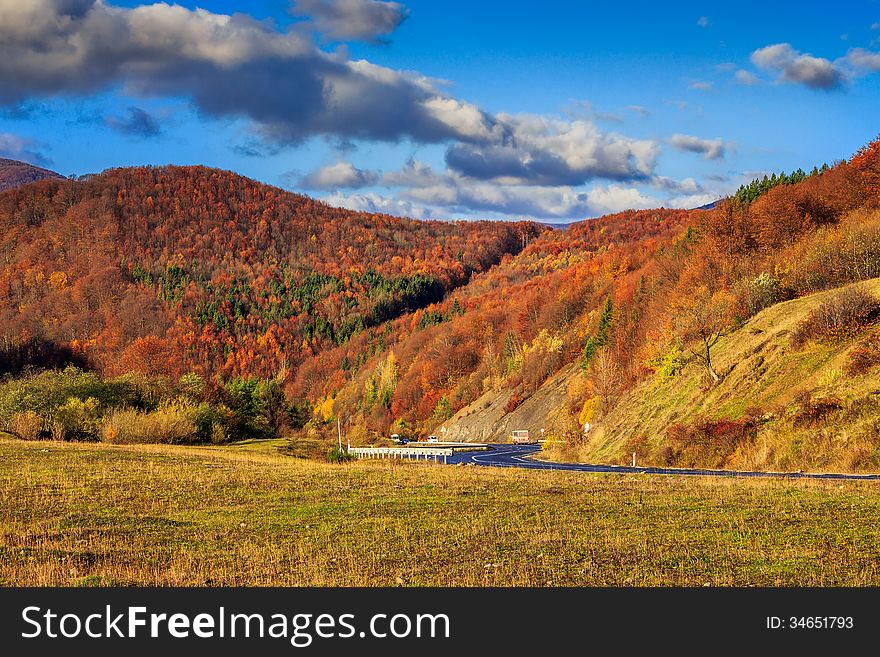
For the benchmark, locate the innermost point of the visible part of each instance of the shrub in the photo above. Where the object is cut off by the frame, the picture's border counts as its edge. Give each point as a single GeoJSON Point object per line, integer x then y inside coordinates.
{"type": "Point", "coordinates": [513, 403]}
{"type": "Point", "coordinates": [811, 411]}
{"type": "Point", "coordinates": [337, 455]}
{"type": "Point", "coordinates": [76, 419]}
{"type": "Point", "coordinates": [709, 442]}
{"type": "Point", "coordinates": [842, 316]}
{"type": "Point", "coordinates": [764, 291]}
{"type": "Point", "coordinates": [27, 425]}
{"type": "Point", "coordinates": [864, 357]}
{"type": "Point", "coordinates": [49, 395]}
{"type": "Point", "coordinates": [170, 423]}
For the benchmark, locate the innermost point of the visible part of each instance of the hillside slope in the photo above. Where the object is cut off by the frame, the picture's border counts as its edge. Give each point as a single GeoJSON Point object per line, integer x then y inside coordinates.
{"type": "Point", "coordinates": [14, 174]}
{"type": "Point", "coordinates": [491, 419]}
{"type": "Point", "coordinates": [167, 270]}
{"type": "Point", "coordinates": [779, 406]}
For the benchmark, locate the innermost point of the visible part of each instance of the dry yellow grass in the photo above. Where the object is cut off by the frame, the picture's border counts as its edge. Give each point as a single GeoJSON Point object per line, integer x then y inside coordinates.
{"type": "Point", "coordinates": [765, 372]}
{"type": "Point", "coordinates": [92, 514]}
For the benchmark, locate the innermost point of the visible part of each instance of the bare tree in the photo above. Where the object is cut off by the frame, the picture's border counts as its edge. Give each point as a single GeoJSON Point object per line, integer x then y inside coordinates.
{"type": "Point", "coordinates": [703, 318]}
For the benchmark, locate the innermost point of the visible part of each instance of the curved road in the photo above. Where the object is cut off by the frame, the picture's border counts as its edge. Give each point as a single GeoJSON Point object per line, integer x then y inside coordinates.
{"type": "Point", "coordinates": [519, 456]}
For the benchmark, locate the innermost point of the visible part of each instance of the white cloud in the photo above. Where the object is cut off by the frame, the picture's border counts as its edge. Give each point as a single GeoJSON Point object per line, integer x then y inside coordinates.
{"type": "Point", "coordinates": [711, 149]}
{"type": "Point", "coordinates": [863, 61]}
{"type": "Point", "coordinates": [793, 66]}
{"type": "Point", "coordinates": [361, 20]}
{"type": "Point", "coordinates": [373, 202]}
{"type": "Point", "coordinates": [539, 150]}
{"type": "Point", "coordinates": [615, 198]}
{"type": "Point", "coordinates": [690, 201]}
{"type": "Point", "coordinates": [464, 119]}
{"type": "Point", "coordinates": [23, 149]}
{"type": "Point", "coordinates": [342, 175]}
{"type": "Point", "coordinates": [704, 21]}
{"type": "Point", "coordinates": [746, 78]}
{"type": "Point", "coordinates": [700, 85]}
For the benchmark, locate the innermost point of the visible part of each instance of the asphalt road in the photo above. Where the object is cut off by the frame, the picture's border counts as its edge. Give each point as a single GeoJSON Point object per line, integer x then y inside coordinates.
{"type": "Point", "coordinates": [518, 456]}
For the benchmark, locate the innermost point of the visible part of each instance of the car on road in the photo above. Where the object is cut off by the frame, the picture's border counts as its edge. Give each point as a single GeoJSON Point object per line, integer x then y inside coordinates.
{"type": "Point", "coordinates": [433, 439]}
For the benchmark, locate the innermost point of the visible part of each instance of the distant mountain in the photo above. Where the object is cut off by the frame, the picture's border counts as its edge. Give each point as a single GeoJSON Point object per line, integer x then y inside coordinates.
{"type": "Point", "coordinates": [14, 174]}
{"type": "Point", "coordinates": [177, 268]}
{"type": "Point", "coordinates": [709, 206]}
{"type": "Point", "coordinates": [559, 225]}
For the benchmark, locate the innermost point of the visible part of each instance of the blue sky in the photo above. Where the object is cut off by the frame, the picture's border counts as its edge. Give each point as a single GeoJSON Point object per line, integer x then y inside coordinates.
{"type": "Point", "coordinates": [557, 110]}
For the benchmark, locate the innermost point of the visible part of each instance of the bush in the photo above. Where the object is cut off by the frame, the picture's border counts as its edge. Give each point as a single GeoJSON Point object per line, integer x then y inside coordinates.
{"type": "Point", "coordinates": [337, 455]}
{"type": "Point", "coordinates": [864, 357]}
{"type": "Point", "coordinates": [27, 425]}
{"type": "Point", "coordinates": [764, 291]}
{"type": "Point", "coordinates": [171, 423]}
{"type": "Point", "coordinates": [76, 419]}
{"type": "Point", "coordinates": [812, 411]}
{"type": "Point", "coordinates": [709, 443]}
{"type": "Point", "coordinates": [847, 312]}
{"type": "Point", "coordinates": [50, 395]}
{"type": "Point", "coordinates": [513, 403]}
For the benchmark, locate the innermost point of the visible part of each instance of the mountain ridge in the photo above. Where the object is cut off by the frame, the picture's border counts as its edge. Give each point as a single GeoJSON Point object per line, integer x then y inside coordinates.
{"type": "Point", "coordinates": [14, 173]}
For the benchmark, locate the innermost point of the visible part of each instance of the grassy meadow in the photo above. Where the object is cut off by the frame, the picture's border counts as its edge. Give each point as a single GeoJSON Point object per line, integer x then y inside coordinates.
{"type": "Point", "coordinates": [95, 514]}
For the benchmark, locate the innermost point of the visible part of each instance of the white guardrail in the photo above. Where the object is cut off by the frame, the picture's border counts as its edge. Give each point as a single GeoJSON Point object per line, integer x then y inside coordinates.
{"type": "Point", "coordinates": [417, 453]}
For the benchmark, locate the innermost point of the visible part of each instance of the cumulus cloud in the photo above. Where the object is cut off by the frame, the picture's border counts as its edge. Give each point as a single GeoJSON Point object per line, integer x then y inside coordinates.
{"type": "Point", "coordinates": [229, 66]}
{"type": "Point", "coordinates": [238, 67]}
{"type": "Point", "coordinates": [417, 190]}
{"type": "Point", "coordinates": [459, 195]}
{"type": "Point", "coordinates": [539, 150]}
{"type": "Point", "coordinates": [800, 68]}
{"type": "Point", "coordinates": [711, 149]}
{"type": "Point", "coordinates": [135, 122]}
{"type": "Point", "coordinates": [23, 149]}
{"type": "Point", "coordinates": [863, 61]}
{"type": "Point", "coordinates": [438, 194]}
{"type": "Point", "coordinates": [746, 78]}
{"type": "Point", "coordinates": [352, 20]}
{"type": "Point", "coordinates": [685, 186]}
{"type": "Point", "coordinates": [703, 21]}
{"type": "Point", "coordinates": [377, 203]}
{"type": "Point", "coordinates": [342, 175]}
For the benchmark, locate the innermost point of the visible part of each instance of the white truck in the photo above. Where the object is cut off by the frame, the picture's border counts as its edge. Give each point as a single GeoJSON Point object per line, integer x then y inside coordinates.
{"type": "Point", "coordinates": [521, 437]}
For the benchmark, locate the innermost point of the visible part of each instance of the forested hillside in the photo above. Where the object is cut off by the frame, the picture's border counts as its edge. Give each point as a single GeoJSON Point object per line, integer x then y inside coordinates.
{"type": "Point", "coordinates": [284, 314]}
{"type": "Point", "coordinates": [168, 270]}
{"type": "Point", "coordinates": [14, 174]}
{"type": "Point", "coordinates": [624, 299]}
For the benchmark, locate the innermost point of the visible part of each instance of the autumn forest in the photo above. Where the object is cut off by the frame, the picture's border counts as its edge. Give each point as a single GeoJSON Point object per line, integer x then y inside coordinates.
{"type": "Point", "coordinates": [207, 307]}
